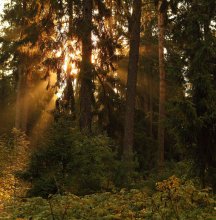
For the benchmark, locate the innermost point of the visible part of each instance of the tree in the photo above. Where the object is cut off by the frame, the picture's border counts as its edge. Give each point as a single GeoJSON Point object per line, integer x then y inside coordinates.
{"type": "Point", "coordinates": [69, 90]}
{"type": "Point", "coordinates": [86, 68]}
{"type": "Point", "coordinates": [22, 90]}
{"type": "Point", "coordinates": [24, 41]}
{"type": "Point", "coordinates": [162, 86]}
{"type": "Point", "coordinates": [194, 115]}
{"type": "Point", "coordinates": [134, 37]}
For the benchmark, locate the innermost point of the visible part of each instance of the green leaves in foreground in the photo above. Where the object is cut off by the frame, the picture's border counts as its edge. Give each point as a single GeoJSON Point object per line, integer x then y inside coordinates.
{"type": "Point", "coordinates": [68, 161]}
{"type": "Point", "coordinates": [173, 200]}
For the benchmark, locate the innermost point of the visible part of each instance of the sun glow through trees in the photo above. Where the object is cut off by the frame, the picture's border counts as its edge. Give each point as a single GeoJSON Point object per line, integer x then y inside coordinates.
{"type": "Point", "coordinates": [71, 57]}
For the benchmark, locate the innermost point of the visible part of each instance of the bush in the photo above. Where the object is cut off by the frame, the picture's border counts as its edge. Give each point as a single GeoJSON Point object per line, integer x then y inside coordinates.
{"type": "Point", "coordinates": [174, 200]}
{"type": "Point", "coordinates": [177, 199]}
{"type": "Point", "coordinates": [68, 161]}
{"type": "Point", "coordinates": [14, 155]}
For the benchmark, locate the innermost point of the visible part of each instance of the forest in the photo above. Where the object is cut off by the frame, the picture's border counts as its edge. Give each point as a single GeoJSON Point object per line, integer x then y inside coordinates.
{"type": "Point", "coordinates": [108, 109]}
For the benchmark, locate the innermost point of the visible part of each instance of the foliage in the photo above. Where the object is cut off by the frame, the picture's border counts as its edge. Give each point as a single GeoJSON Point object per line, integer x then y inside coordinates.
{"type": "Point", "coordinates": [182, 170]}
{"type": "Point", "coordinates": [195, 42]}
{"type": "Point", "coordinates": [7, 98]}
{"type": "Point", "coordinates": [181, 125]}
{"type": "Point", "coordinates": [42, 40]}
{"type": "Point", "coordinates": [68, 160]}
{"type": "Point", "coordinates": [174, 199]}
{"type": "Point", "coordinates": [144, 145]}
{"type": "Point", "coordinates": [14, 155]}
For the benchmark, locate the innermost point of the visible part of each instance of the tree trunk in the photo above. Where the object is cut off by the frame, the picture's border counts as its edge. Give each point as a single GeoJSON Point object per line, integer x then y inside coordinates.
{"type": "Point", "coordinates": [70, 14]}
{"type": "Point", "coordinates": [69, 86]}
{"type": "Point", "coordinates": [25, 104]}
{"type": "Point", "coordinates": [151, 107]}
{"type": "Point", "coordinates": [132, 81]}
{"type": "Point", "coordinates": [21, 117]}
{"type": "Point", "coordinates": [22, 90]}
{"type": "Point", "coordinates": [86, 69]}
{"type": "Point", "coordinates": [162, 87]}
{"type": "Point", "coordinates": [110, 21]}
{"type": "Point", "coordinates": [18, 100]}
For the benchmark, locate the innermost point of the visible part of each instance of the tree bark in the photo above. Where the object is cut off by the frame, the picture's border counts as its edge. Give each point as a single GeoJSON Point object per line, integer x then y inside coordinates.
{"type": "Point", "coordinates": [21, 117]}
{"type": "Point", "coordinates": [18, 100]}
{"type": "Point", "coordinates": [69, 86]}
{"type": "Point", "coordinates": [70, 14]}
{"type": "Point", "coordinates": [150, 107]}
{"type": "Point", "coordinates": [132, 81]}
{"type": "Point", "coordinates": [162, 87]}
{"type": "Point", "coordinates": [86, 69]}
{"type": "Point", "coordinates": [22, 99]}
{"type": "Point", "coordinates": [110, 21]}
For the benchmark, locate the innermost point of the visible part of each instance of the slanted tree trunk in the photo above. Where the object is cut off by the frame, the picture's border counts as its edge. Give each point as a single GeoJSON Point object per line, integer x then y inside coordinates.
{"type": "Point", "coordinates": [132, 81]}
{"type": "Point", "coordinates": [86, 69]}
{"type": "Point", "coordinates": [162, 87]}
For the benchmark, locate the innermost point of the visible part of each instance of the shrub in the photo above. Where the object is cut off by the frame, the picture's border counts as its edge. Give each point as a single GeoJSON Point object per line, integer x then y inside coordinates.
{"type": "Point", "coordinates": [174, 200]}
{"type": "Point", "coordinates": [14, 155]}
{"type": "Point", "coordinates": [68, 161]}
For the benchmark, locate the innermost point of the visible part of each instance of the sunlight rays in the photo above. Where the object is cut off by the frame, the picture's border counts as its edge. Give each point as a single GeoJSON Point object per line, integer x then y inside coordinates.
{"type": "Point", "coordinates": [43, 122]}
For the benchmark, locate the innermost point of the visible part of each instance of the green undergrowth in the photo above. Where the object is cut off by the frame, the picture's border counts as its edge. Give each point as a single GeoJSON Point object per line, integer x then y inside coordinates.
{"type": "Point", "coordinates": [173, 199]}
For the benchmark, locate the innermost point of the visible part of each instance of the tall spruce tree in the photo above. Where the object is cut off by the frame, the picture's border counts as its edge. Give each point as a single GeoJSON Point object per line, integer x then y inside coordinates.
{"type": "Point", "coordinates": [196, 40]}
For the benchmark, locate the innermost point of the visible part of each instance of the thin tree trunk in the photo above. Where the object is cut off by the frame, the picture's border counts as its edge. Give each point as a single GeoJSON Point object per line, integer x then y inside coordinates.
{"type": "Point", "coordinates": [25, 103]}
{"type": "Point", "coordinates": [21, 117]}
{"type": "Point", "coordinates": [145, 83]}
{"type": "Point", "coordinates": [70, 13]}
{"type": "Point", "coordinates": [22, 91]}
{"type": "Point", "coordinates": [18, 100]}
{"type": "Point", "coordinates": [86, 69]}
{"type": "Point", "coordinates": [110, 21]}
{"type": "Point", "coordinates": [69, 86]}
{"type": "Point", "coordinates": [162, 87]}
{"type": "Point", "coordinates": [151, 107]}
{"type": "Point", "coordinates": [132, 81]}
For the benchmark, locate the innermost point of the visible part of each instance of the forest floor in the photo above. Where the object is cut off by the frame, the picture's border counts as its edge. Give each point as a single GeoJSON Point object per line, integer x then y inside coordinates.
{"type": "Point", "coordinates": [172, 199]}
